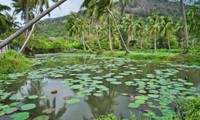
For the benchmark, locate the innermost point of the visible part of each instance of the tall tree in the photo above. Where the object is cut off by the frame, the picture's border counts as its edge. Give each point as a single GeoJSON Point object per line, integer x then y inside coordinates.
{"type": "Point", "coordinates": [4, 23]}
{"type": "Point", "coordinates": [106, 7]}
{"type": "Point", "coordinates": [36, 19]}
{"type": "Point", "coordinates": [185, 49]}
{"type": "Point", "coordinates": [154, 28]}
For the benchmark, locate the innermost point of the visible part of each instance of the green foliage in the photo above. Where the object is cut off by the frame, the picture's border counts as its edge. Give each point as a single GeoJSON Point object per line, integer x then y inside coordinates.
{"type": "Point", "coordinates": [107, 117]}
{"type": "Point", "coordinates": [191, 108]}
{"type": "Point", "coordinates": [13, 62]}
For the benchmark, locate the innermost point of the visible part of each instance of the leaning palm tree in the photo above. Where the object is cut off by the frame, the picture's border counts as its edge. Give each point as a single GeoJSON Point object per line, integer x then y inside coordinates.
{"type": "Point", "coordinates": [28, 25]}
{"type": "Point", "coordinates": [39, 4]}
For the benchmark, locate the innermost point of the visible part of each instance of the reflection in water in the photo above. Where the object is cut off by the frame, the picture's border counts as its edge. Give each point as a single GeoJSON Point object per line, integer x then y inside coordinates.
{"type": "Point", "coordinates": [91, 106]}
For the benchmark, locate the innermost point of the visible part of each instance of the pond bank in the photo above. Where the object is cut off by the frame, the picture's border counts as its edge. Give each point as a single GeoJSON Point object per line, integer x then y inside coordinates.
{"type": "Point", "coordinates": [157, 57]}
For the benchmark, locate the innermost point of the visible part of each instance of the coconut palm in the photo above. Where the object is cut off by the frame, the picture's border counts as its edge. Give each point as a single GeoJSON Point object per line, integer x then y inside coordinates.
{"type": "Point", "coordinates": [103, 7]}
{"type": "Point", "coordinates": [185, 49]}
{"type": "Point", "coordinates": [154, 27]}
{"type": "Point", "coordinates": [27, 26]}
{"type": "Point", "coordinates": [4, 23]}
{"type": "Point", "coordinates": [166, 24]}
{"type": "Point", "coordinates": [39, 4]}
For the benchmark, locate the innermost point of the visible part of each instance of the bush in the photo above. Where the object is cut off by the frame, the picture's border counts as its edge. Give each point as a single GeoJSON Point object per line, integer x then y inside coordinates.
{"type": "Point", "coordinates": [13, 62]}
{"type": "Point", "coordinates": [190, 109]}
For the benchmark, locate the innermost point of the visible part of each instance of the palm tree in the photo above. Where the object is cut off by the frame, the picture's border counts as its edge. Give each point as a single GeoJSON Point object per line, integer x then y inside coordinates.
{"type": "Point", "coordinates": [3, 20]}
{"type": "Point", "coordinates": [154, 27]}
{"type": "Point", "coordinates": [166, 23]}
{"type": "Point", "coordinates": [76, 26]}
{"type": "Point", "coordinates": [27, 26]}
{"type": "Point", "coordinates": [39, 6]}
{"type": "Point", "coordinates": [185, 49]}
{"type": "Point", "coordinates": [106, 7]}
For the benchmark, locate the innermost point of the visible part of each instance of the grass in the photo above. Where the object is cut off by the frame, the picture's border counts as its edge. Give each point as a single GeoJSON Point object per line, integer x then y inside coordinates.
{"type": "Point", "coordinates": [166, 57]}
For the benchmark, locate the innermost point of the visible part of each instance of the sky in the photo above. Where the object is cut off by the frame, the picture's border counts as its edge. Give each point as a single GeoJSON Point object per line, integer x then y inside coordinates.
{"type": "Point", "coordinates": [65, 8]}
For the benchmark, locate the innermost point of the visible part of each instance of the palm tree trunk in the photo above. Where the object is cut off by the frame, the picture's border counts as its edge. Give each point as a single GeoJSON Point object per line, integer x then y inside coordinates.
{"type": "Point", "coordinates": [20, 31]}
{"type": "Point", "coordinates": [31, 32]}
{"type": "Point", "coordinates": [155, 42]}
{"type": "Point", "coordinates": [168, 43]}
{"type": "Point", "coordinates": [98, 40]}
{"type": "Point", "coordinates": [27, 39]}
{"type": "Point", "coordinates": [122, 40]}
{"type": "Point", "coordinates": [110, 36]}
{"type": "Point", "coordinates": [185, 50]}
{"type": "Point", "coordinates": [82, 40]}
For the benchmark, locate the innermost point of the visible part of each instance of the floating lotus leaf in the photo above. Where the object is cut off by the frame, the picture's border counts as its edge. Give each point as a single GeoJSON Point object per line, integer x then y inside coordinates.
{"type": "Point", "coordinates": [134, 105]}
{"type": "Point", "coordinates": [32, 97]}
{"type": "Point", "coordinates": [20, 116]}
{"type": "Point", "coordinates": [116, 83]}
{"type": "Point", "coordinates": [153, 95]}
{"type": "Point", "coordinates": [10, 110]}
{"type": "Point", "coordinates": [14, 104]}
{"type": "Point", "coordinates": [42, 117]}
{"type": "Point", "coordinates": [111, 79]}
{"type": "Point", "coordinates": [188, 83]}
{"type": "Point", "coordinates": [73, 101]}
{"type": "Point", "coordinates": [97, 78]}
{"type": "Point", "coordinates": [142, 91]}
{"type": "Point", "coordinates": [76, 86]}
{"type": "Point", "coordinates": [129, 83]}
{"type": "Point", "coordinates": [141, 97]}
{"type": "Point", "coordinates": [140, 101]}
{"type": "Point", "coordinates": [124, 94]}
{"type": "Point", "coordinates": [98, 94]}
{"type": "Point", "coordinates": [118, 76]}
{"type": "Point", "coordinates": [29, 106]}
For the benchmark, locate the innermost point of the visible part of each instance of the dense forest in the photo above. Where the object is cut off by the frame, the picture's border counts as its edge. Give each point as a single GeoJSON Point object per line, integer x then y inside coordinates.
{"type": "Point", "coordinates": [141, 56]}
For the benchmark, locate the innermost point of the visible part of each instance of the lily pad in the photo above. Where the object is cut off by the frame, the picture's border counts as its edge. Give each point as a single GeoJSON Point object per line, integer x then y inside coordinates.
{"type": "Point", "coordinates": [32, 97]}
{"type": "Point", "coordinates": [133, 105]}
{"type": "Point", "coordinates": [20, 116]}
{"type": "Point", "coordinates": [42, 117]}
{"type": "Point", "coordinates": [73, 101]}
{"type": "Point", "coordinates": [29, 106]}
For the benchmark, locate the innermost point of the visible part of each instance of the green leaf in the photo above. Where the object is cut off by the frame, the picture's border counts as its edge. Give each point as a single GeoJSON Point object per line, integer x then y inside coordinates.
{"type": "Point", "coordinates": [73, 101]}
{"type": "Point", "coordinates": [32, 97]}
{"type": "Point", "coordinates": [29, 106]}
{"type": "Point", "coordinates": [133, 105]}
{"type": "Point", "coordinates": [20, 116]}
{"type": "Point", "coordinates": [42, 117]}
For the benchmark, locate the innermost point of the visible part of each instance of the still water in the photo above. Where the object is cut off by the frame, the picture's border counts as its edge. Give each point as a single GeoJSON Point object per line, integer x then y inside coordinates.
{"type": "Point", "coordinates": [53, 72]}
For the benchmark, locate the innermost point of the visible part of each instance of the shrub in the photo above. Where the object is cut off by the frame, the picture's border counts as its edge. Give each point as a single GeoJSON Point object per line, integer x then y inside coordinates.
{"type": "Point", "coordinates": [190, 109]}
{"type": "Point", "coordinates": [13, 62]}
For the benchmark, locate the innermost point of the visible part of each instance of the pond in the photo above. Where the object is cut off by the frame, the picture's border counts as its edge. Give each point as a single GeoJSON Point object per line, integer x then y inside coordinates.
{"type": "Point", "coordinates": [83, 87]}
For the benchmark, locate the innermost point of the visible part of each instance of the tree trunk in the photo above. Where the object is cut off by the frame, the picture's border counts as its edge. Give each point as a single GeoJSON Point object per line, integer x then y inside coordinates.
{"type": "Point", "coordinates": [31, 32]}
{"type": "Point", "coordinates": [155, 42]}
{"type": "Point", "coordinates": [82, 40]}
{"type": "Point", "coordinates": [98, 40]}
{"type": "Point", "coordinates": [185, 49]}
{"type": "Point", "coordinates": [168, 43]}
{"type": "Point", "coordinates": [122, 40]}
{"type": "Point", "coordinates": [27, 39]}
{"type": "Point", "coordinates": [193, 44]}
{"type": "Point", "coordinates": [20, 31]}
{"type": "Point", "coordinates": [110, 36]}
